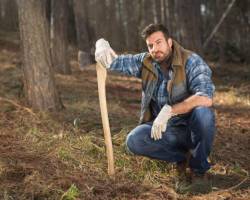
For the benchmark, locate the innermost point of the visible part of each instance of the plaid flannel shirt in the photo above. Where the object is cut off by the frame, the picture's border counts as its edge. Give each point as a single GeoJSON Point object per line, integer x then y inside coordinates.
{"type": "Point", "coordinates": [198, 75]}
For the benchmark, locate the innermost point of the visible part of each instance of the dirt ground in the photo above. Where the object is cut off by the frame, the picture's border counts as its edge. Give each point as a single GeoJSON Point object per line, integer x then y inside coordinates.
{"type": "Point", "coordinates": [62, 155]}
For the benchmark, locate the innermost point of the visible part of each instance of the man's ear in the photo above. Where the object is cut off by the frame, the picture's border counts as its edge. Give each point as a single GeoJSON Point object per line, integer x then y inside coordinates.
{"type": "Point", "coordinates": [170, 42]}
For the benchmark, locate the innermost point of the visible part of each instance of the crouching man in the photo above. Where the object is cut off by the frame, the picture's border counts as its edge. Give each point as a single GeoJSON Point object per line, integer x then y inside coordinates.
{"type": "Point", "coordinates": [177, 123]}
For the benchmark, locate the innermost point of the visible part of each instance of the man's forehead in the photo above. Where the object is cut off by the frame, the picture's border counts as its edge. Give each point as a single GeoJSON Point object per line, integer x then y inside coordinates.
{"type": "Point", "coordinates": [155, 36]}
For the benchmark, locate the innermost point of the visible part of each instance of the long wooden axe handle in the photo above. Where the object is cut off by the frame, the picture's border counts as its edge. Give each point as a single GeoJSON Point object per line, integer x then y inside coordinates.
{"type": "Point", "coordinates": [101, 79]}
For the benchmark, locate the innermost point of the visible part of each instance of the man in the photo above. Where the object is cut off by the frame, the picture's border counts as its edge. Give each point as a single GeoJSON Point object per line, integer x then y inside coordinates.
{"type": "Point", "coordinates": [176, 116]}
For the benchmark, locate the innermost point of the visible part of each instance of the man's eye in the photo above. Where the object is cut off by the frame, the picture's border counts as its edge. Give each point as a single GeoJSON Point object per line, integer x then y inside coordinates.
{"type": "Point", "coordinates": [150, 46]}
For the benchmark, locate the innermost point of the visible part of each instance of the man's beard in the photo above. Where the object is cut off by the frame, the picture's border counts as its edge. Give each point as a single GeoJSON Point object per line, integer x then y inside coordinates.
{"type": "Point", "coordinates": [166, 59]}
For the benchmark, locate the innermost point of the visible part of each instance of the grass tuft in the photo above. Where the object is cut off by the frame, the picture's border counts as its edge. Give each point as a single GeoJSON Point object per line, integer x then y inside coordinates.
{"type": "Point", "coordinates": [71, 194]}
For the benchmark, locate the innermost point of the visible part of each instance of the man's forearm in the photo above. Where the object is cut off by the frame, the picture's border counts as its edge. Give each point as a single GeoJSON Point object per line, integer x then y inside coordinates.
{"type": "Point", "coordinates": [128, 64]}
{"type": "Point", "coordinates": [188, 104]}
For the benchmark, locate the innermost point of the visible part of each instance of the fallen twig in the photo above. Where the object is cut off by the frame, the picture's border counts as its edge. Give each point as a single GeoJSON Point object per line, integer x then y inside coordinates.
{"type": "Point", "coordinates": [235, 186]}
{"type": "Point", "coordinates": [17, 105]}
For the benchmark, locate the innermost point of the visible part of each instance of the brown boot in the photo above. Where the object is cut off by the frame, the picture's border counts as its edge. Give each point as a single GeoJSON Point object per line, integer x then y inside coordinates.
{"type": "Point", "coordinates": [181, 168]}
{"type": "Point", "coordinates": [200, 184]}
{"type": "Point", "coordinates": [181, 178]}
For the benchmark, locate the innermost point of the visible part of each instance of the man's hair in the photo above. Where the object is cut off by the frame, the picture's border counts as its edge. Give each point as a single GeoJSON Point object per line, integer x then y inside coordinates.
{"type": "Point", "coordinates": [151, 28]}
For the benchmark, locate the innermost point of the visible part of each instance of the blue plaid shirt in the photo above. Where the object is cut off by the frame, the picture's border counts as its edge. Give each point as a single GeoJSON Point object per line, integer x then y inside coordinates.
{"type": "Point", "coordinates": [198, 76]}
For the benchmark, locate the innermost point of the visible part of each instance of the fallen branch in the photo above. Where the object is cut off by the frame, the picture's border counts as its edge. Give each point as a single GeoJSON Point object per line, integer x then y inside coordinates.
{"type": "Point", "coordinates": [235, 186]}
{"type": "Point", "coordinates": [18, 105]}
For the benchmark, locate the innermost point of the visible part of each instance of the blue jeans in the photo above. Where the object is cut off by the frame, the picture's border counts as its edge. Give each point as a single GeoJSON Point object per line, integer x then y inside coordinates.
{"type": "Point", "coordinates": [192, 132]}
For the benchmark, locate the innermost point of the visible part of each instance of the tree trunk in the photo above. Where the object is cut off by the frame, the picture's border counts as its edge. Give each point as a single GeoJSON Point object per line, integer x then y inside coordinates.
{"type": "Point", "coordinates": [222, 35]}
{"type": "Point", "coordinates": [189, 19]}
{"type": "Point", "coordinates": [163, 11]}
{"type": "Point", "coordinates": [141, 25]}
{"type": "Point", "coordinates": [172, 19]}
{"type": "Point", "coordinates": [158, 8]}
{"type": "Point", "coordinates": [120, 29]}
{"type": "Point", "coordinates": [59, 36]}
{"type": "Point", "coordinates": [244, 42]}
{"type": "Point", "coordinates": [8, 15]}
{"type": "Point", "coordinates": [40, 88]}
{"type": "Point", "coordinates": [131, 23]}
{"type": "Point", "coordinates": [114, 31]}
{"type": "Point", "coordinates": [82, 32]}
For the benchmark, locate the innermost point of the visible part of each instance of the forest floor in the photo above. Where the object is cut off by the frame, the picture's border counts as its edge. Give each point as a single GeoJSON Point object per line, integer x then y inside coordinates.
{"type": "Point", "coordinates": [61, 155]}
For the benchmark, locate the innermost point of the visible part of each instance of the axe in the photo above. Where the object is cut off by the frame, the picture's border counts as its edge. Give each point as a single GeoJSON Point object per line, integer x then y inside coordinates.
{"type": "Point", "coordinates": [101, 79]}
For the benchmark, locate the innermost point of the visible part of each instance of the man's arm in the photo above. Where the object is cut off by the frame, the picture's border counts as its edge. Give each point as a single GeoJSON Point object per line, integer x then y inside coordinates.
{"type": "Point", "coordinates": [128, 64]}
{"type": "Point", "coordinates": [199, 84]}
{"type": "Point", "coordinates": [160, 123]}
{"type": "Point", "coordinates": [125, 64]}
{"type": "Point", "coordinates": [191, 102]}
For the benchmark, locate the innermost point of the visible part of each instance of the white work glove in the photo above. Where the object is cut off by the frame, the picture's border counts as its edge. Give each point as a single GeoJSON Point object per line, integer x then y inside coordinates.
{"type": "Point", "coordinates": [104, 54]}
{"type": "Point", "coordinates": [160, 122]}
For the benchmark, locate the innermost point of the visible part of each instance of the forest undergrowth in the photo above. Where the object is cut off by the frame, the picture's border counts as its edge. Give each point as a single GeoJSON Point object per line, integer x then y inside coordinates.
{"type": "Point", "coordinates": [61, 155]}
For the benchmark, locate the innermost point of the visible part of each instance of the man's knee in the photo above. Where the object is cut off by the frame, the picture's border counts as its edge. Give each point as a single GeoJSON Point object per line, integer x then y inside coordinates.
{"type": "Point", "coordinates": [133, 145]}
{"type": "Point", "coordinates": [203, 123]}
{"type": "Point", "coordinates": [203, 116]}
{"type": "Point", "coordinates": [130, 144]}
{"type": "Point", "coordinates": [137, 139]}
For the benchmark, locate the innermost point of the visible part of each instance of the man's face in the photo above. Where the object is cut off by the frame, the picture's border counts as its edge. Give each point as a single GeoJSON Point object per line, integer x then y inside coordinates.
{"type": "Point", "coordinates": [159, 47]}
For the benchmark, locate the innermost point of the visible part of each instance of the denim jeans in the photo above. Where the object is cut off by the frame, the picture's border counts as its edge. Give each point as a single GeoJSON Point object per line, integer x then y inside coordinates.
{"type": "Point", "coordinates": [192, 132]}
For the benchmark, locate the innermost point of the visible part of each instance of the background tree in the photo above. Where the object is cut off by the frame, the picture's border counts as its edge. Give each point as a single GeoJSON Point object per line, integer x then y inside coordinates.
{"type": "Point", "coordinates": [121, 21]}
{"type": "Point", "coordinates": [243, 43]}
{"type": "Point", "coordinates": [116, 31]}
{"type": "Point", "coordinates": [189, 23]}
{"type": "Point", "coordinates": [8, 15]}
{"type": "Point", "coordinates": [82, 32]}
{"type": "Point", "coordinates": [40, 88]}
{"type": "Point", "coordinates": [59, 36]}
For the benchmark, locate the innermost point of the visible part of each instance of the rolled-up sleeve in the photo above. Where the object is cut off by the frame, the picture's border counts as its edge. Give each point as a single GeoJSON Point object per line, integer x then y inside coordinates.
{"type": "Point", "coordinates": [199, 74]}
{"type": "Point", "coordinates": [128, 64]}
